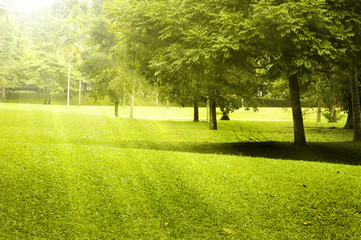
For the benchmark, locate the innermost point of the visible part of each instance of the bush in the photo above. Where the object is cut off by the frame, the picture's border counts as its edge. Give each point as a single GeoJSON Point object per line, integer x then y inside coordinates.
{"type": "Point", "coordinates": [335, 117]}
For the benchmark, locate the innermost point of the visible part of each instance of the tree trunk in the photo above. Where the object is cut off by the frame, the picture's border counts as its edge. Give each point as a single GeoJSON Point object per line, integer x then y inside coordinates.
{"type": "Point", "coordinates": [68, 93]}
{"type": "Point", "coordinates": [46, 97]}
{"type": "Point", "coordinates": [3, 92]}
{"type": "Point", "coordinates": [225, 114]}
{"type": "Point", "coordinates": [50, 98]}
{"type": "Point", "coordinates": [156, 100]}
{"type": "Point", "coordinates": [79, 102]}
{"type": "Point", "coordinates": [132, 103]}
{"type": "Point", "coordinates": [196, 112]}
{"type": "Point", "coordinates": [207, 114]}
{"type": "Point", "coordinates": [212, 114]}
{"type": "Point", "coordinates": [333, 117]}
{"type": "Point", "coordinates": [319, 111]}
{"type": "Point", "coordinates": [124, 97]}
{"type": "Point", "coordinates": [356, 112]}
{"type": "Point", "coordinates": [116, 108]}
{"type": "Point", "coordinates": [349, 121]}
{"type": "Point", "coordinates": [299, 131]}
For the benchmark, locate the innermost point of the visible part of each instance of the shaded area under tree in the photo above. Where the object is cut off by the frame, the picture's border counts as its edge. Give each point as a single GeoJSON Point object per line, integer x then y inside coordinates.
{"type": "Point", "coordinates": [348, 153]}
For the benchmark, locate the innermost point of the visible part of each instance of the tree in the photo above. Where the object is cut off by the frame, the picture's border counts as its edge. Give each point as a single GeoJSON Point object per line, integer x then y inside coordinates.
{"type": "Point", "coordinates": [9, 49]}
{"type": "Point", "coordinates": [38, 66]}
{"type": "Point", "coordinates": [349, 60]}
{"type": "Point", "coordinates": [331, 90]}
{"type": "Point", "coordinates": [183, 44]}
{"type": "Point", "coordinates": [101, 66]}
{"type": "Point", "coordinates": [346, 14]}
{"type": "Point", "coordinates": [43, 72]}
{"type": "Point", "coordinates": [178, 82]}
{"type": "Point", "coordinates": [105, 78]}
{"type": "Point", "coordinates": [72, 43]}
{"type": "Point", "coordinates": [297, 37]}
{"type": "Point", "coordinates": [356, 109]}
{"type": "Point", "coordinates": [71, 47]}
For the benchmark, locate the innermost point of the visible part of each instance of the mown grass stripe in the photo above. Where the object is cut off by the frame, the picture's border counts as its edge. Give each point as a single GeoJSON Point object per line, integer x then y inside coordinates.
{"type": "Point", "coordinates": [67, 175]}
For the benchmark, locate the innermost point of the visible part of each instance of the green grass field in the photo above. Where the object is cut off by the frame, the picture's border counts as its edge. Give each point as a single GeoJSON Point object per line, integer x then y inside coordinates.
{"type": "Point", "coordinates": [79, 173]}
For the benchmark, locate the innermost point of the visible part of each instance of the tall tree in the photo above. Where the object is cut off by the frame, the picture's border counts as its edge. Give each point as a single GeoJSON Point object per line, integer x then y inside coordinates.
{"type": "Point", "coordinates": [74, 15]}
{"type": "Point", "coordinates": [297, 37]}
{"type": "Point", "coordinates": [348, 13]}
{"type": "Point", "coordinates": [9, 49]}
{"type": "Point", "coordinates": [100, 65]}
{"type": "Point", "coordinates": [71, 47]}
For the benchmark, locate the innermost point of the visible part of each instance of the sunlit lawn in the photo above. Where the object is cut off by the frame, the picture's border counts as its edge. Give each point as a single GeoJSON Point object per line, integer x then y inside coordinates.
{"type": "Point", "coordinates": [79, 173]}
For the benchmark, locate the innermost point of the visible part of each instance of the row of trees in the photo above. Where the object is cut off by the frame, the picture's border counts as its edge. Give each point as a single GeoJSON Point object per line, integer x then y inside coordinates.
{"type": "Point", "coordinates": [220, 52]}
{"type": "Point", "coordinates": [215, 50]}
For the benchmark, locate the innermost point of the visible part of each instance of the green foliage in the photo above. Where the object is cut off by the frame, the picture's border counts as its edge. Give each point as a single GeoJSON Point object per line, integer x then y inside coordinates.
{"type": "Point", "coordinates": [9, 47]}
{"type": "Point", "coordinates": [299, 34]}
{"type": "Point", "coordinates": [72, 44]}
{"type": "Point", "coordinates": [100, 66]}
{"type": "Point", "coordinates": [41, 71]}
{"type": "Point", "coordinates": [188, 50]}
{"type": "Point", "coordinates": [334, 116]}
{"type": "Point", "coordinates": [39, 67]}
{"type": "Point", "coordinates": [194, 50]}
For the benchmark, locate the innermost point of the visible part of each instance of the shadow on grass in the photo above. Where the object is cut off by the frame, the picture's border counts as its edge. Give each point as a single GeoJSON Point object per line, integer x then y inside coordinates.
{"type": "Point", "coordinates": [341, 152]}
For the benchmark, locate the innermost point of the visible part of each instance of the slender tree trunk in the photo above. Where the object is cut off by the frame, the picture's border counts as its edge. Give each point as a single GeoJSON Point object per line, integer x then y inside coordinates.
{"type": "Point", "coordinates": [68, 93]}
{"type": "Point", "coordinates": [207, 114]}
{"type": "Point", "coordinates": [132, 103]}
{"type": "Point", "coordinates": [196, 112]}
{"type": "Point", "coordinates": [116, 108]}
{"type": "Point", "coordinates": [213, 114]}
{"type": "Point", "coordinates": [356, 112]}
{"type": "Point", "coordinates": [156, 100]}
{"type": "Point", "coordinates": [124, 96]}
{"type": "Point", "coordinates": [79, 102]}
{"type": "Point", "coordinates": [3, 91]}
{"type": "Point", "coordinates": [299, 131]}
{"type": "Point", "coordinates": [167, 104]}
{"type": "Point", "coordinates": [333, 117]}
{"type": "Point", "coordinates": [349, 121]}
{"type": "Point", "coordinates": [319, 111]}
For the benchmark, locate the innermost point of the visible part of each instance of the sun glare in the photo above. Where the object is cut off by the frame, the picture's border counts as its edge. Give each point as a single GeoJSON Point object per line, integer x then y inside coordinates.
{"type": "Point", "coordinates": [30, 5]}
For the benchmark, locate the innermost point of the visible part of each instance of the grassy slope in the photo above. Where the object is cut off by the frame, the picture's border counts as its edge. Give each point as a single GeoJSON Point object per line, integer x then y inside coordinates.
{"type": "Point", "coordinates": [79, 173]}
